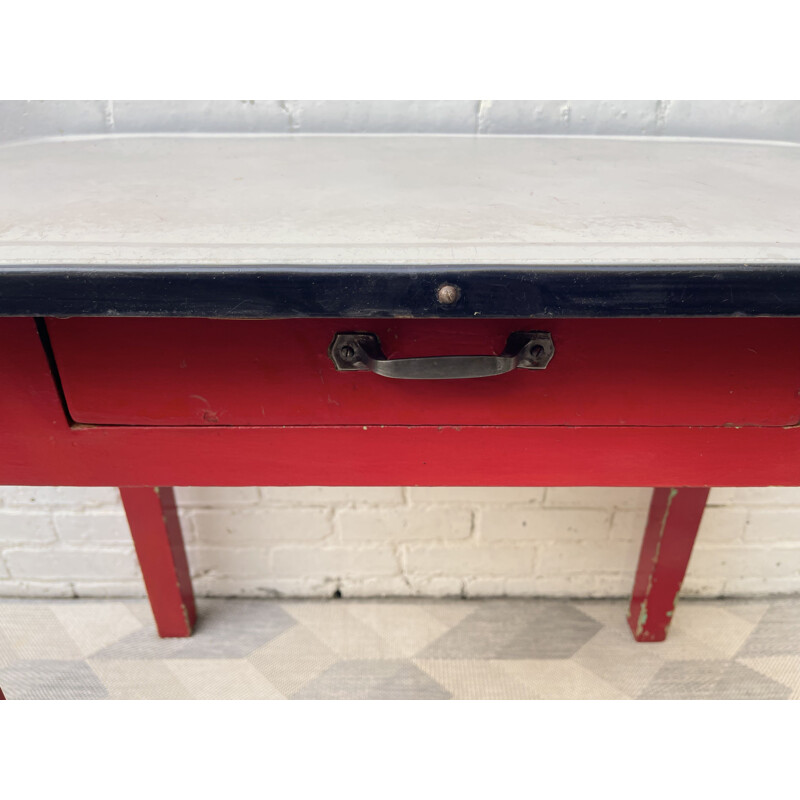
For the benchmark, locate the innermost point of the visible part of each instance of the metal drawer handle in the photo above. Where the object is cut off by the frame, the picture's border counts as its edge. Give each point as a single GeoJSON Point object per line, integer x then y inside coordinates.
{"type": "Point", "coordinates": [362, 351]}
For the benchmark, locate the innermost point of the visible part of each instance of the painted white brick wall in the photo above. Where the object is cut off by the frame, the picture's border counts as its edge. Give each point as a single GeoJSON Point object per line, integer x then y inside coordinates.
{"type": "Point", "coordinates": [315, 541]}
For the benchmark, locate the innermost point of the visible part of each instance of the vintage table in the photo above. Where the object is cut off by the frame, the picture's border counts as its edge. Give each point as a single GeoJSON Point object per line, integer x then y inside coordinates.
{"type": "Point", "coordinates": [316, 310]}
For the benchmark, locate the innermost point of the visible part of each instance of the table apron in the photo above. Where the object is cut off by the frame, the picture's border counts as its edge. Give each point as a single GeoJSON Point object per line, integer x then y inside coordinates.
{"type": "Point", "coordinates": [424, 456]}
{"type": "Point", "coordinates": [39, 446]}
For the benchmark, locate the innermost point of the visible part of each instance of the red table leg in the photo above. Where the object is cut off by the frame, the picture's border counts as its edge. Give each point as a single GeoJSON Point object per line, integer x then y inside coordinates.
{"type": "Point", "coordinates": [2, 696]}
{"type": "Point", "coordinates": [675, 516]}
{"type": "Point", "coordinates": [153, 519]}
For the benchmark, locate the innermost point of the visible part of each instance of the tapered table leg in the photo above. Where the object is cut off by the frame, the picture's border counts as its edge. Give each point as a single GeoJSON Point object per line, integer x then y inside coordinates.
{"type": "Point", "coordinates": [155, 527]}
{"type": "Point", "coordinates": [672, 526]}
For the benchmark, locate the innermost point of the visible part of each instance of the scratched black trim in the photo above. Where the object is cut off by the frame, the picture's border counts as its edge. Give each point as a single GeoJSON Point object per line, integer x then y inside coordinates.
{"type": "Point", "coordinates": [392, 291]}
{"type": "Point", "coordinates": [44, 337]}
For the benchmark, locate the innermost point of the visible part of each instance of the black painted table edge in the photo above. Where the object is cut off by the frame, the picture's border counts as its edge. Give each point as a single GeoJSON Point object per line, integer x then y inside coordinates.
{"type": "Point", "coordinates": [289, 291]}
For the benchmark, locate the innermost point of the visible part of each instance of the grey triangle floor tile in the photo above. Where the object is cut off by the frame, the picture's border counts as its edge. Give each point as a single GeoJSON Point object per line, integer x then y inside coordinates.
{"type": "Point", "coordinates": [739, 682]}
{"type": "Point", "coordinates": [615, 657]}
{"type": "Point", "coordinates": [235, 628]}
{"type": "Point", "coordinates": [225, 629]}
{"type": "Point", "coordinates": [390, 679]}
{"type": "Point", "coordinates": [51, 680]}
{"type": "Point", "coordinates": [777, 632]}
{"type": "Point", "coordinates": [516, 629]}
{"type": "Point", "coordinates": [140, 645]}
{"type": "Point", "coordinates": [712, 680]}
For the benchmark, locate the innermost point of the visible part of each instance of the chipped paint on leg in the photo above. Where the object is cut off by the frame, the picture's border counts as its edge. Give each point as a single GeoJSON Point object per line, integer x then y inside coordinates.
{"type": "Point", "coordinates": [662, 565]}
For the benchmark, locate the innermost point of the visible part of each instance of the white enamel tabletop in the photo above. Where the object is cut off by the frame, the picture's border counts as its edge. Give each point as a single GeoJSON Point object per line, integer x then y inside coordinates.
{"type": "Point", "coordinates": [397, 200]}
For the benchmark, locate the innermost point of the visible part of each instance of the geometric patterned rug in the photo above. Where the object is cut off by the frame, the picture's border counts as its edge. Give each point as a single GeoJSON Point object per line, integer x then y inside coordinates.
{"type": "Point", "coordinates": [399, 649]}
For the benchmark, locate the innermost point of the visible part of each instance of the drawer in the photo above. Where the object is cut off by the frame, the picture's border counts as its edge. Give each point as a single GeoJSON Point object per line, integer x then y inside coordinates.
{"type": "Point", "coordinates": [662, 372]}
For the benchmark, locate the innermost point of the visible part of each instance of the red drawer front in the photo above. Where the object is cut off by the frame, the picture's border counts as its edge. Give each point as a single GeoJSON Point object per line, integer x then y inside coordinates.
{"type": "Point", "coordinates": [278, 372]}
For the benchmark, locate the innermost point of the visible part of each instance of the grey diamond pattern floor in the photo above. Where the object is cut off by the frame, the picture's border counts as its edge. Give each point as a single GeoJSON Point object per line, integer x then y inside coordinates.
{"type": "Point", "coordinates": [399, 649]}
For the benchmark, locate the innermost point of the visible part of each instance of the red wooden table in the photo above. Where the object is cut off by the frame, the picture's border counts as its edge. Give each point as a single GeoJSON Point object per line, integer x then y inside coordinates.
{"type": "Point", "coordinates": [171, 308]}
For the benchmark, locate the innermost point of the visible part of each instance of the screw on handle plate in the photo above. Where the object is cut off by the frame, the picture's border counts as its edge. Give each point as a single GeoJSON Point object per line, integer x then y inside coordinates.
{"type": "Point", "coordinates": [361, 351]}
